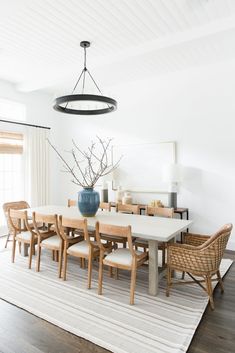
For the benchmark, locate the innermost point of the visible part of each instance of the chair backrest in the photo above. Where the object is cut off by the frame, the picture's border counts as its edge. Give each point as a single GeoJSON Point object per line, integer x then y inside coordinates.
{"type": "Point", "coordinates": [105, 206]}
{"type": "Point", "coordinates": [134, 209]}
{"type": "Point", "coordinates": [42, 218]}
{"type": "Point", "coordinates": [113, 230]}
{"type": "Point", "coordinates": [72, 203]}
{"type": "Point", "coordinates": [80, 224]}
{"type": "Point", "coordinates": [160, 211]}
{"type": "Point", "coordinates": [18, 220]}
{"type": "Point", "coordinates": [215, 246]}
{"type": "Point", "coordinates": [16, 205]}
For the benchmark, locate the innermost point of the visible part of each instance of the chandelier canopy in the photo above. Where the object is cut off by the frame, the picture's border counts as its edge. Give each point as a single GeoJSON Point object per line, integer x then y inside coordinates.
{"type": "Point", "coordinates": [100, 104]}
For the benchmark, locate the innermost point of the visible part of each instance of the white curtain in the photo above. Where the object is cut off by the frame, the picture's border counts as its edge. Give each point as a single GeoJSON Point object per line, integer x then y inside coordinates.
{"type": "Point", "coordinates": [36, 154]}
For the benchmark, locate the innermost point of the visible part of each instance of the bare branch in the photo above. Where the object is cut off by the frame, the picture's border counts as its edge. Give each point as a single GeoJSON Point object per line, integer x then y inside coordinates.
{"type": "Point", "coordinates": [67, 166]}
{"type": "Point", "coordinates": [90, 164]}
{"type": "Point", "coordinates": [79, 168]}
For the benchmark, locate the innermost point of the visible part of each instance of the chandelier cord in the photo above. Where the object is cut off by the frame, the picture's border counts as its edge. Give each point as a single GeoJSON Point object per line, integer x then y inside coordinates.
{"type": "Point", "coordinates": [94, 82]}
{"type": "Point", "coordinates": [75, 85]}
{"type": "Point", "coordinates": [84, 57]}
{"type": "Point", "coordinates": [85, 69]}
{"type": "Point", "coordinates": [83, 82]}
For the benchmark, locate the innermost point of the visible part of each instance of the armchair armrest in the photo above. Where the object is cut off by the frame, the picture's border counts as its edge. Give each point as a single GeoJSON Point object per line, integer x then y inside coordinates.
{"type": "Point", "coordinates": [185, 257]}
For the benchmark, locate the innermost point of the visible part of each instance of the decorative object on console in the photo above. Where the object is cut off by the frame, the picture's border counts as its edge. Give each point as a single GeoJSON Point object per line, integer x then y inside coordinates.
{"type": "Point", "coordinates": [104, 194]}
{"type": "Point", "coordinates": [127, 198]}
{"type": "Point", "coordinates": [79, 103]}
{"type": "Point", "coordinates": [86, 168]}
{"type": "Point", "coordinates": [156, 203]}
{"type": "Point", "coordinates": [104, 191]}
{"type": "Point", "coordinates": [172, 174]}
{"type": "Point", "coordinates": [119, 194]}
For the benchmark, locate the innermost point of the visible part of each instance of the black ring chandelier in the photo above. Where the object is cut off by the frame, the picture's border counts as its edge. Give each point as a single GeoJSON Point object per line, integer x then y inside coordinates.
{"type": "Point", "coordinates": [61, 103]}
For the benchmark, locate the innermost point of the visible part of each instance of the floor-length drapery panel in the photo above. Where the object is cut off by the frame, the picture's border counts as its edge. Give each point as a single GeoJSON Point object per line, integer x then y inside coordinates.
{"type": "Point", "coordinates": [37, 166]}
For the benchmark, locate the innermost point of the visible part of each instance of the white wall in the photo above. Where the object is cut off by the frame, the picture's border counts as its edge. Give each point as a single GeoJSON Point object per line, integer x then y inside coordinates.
{"type": "Point", "coordinates": [38, 111]}
{"type": "Point", "coordinates": [196, 109]}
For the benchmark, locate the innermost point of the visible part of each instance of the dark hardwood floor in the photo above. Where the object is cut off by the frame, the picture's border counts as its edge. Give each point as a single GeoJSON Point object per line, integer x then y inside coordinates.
{"type": "Point", "coordinates": [216, 332]}
{"type": "Point", "coordinates": [22, 332]}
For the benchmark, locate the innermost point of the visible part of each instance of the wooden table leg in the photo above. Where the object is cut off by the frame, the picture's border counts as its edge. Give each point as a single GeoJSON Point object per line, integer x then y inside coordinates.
{"type": "Point", "coordinates": [153, 267]}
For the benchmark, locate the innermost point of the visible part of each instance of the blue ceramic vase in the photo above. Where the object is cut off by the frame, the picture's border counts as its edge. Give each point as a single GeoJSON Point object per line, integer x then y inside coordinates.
{"type": "Point", "coordinates": [88, 202]}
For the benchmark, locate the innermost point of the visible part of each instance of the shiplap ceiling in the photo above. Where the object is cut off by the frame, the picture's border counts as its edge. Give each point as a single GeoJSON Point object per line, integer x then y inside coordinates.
{"type": "Point", "coordinates": [131, 39]}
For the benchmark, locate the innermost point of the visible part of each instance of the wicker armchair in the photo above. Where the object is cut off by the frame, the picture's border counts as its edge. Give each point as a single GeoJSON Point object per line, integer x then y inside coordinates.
{"type": "Point", "coordinates": [199, 256]}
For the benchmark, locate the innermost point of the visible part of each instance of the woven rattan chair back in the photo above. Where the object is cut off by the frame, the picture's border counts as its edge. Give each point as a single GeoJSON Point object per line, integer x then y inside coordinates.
{"type": "Point", "coordinates": [200, 256]}
{"type": "Point", "coordinates": [215, 246]}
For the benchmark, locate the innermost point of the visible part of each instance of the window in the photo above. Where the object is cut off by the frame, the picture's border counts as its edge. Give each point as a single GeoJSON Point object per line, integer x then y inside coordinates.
{"type": "Point", "coordinates": [11, 173]}
{"type": "Point", "coordinates": [11, 143]}
{"type": "Point", "coordinates": [11, 110]}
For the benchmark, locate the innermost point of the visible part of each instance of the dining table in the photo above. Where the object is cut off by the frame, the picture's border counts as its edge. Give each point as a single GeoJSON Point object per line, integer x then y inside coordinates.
{"type": "Point", "coordinates": [153, 229]}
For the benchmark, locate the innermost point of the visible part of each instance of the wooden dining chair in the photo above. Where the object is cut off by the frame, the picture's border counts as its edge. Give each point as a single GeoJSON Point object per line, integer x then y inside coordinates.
{"type": "Point", "coordinates": [198, 256]}
{"type": "Point", "coordinates": [128, 208]}
{"type": "Point", "coordinates": [22, 232]}
{"type": "Point", "coordinates": [16, 205]}
{"type": "Point", "coordinates": [126, 259]}
{"type": "Point", "coordinates": [105, 206]}
{"type": "Point", "coordinates": [48, 238]}
{"type": "Point", "coordinates": [158, 212]}
{"type": "Point", "coordinates": [72, 203]}
{"type": "Point", "coordinates": [83, 249]}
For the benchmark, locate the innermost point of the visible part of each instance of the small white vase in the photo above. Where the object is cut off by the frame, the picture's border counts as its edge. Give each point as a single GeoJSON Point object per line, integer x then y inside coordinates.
{"type": "Point", "coordinates": [127, 198]}
{"type": "Point", "coordinates": [119, 194]}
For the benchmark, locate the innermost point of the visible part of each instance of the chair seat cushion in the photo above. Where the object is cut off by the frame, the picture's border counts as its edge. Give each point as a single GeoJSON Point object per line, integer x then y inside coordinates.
{"type": "Point", "coordinates": [121, 257]}
{"type": "Point", "coordinates": [52, 242]}
{"type": "Point", "coordinates": [81, 247]}
{"type": "Point", "coordinates": [24, 236]}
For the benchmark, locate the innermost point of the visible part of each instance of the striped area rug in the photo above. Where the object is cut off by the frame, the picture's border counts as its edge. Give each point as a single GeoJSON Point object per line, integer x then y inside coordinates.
{"type": "Point", "coordinates": [153, 325]}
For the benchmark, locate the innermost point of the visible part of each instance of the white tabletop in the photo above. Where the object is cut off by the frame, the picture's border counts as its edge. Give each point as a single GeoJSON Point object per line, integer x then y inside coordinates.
{"type": "Point", "coordinates": [150, 228]}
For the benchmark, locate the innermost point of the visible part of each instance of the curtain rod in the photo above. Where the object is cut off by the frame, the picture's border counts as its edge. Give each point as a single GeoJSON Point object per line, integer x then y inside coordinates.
{"type": "Point", "coordinates": [25, 124]}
